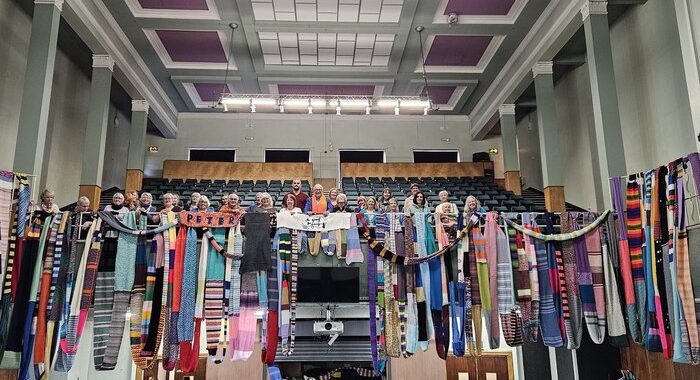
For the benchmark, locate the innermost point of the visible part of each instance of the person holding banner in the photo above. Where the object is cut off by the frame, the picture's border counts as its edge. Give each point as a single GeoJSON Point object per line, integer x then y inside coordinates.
{"type": "Point", "coordinates": [342, 204]}
{"type": "Point", "coordinates": [290, 205]}
{"type": "Point", "coordinates": [232, 205]}
{"type": "Point", "coordinates": [203, 205]}
{"type": "Point", "coordinates": [318, 204]}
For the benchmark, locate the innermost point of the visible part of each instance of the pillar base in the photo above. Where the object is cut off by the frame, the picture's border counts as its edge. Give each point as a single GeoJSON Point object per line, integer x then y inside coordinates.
{"type": "Point", "coordinates": [512, 182]}
{"type": "Point", "coordinates": [554, 199]}
{"type": "Point", "coordinates": [134, 180]}
{"type": "Point", "coordinates": [92, 192]}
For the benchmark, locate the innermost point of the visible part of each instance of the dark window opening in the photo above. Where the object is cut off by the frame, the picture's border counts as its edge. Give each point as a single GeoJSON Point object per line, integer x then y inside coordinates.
{"type": "Point", "coordinates": [272, 155]}
{"type": "Point", "coordinates": [437, 156]}
{"type": "Point", "coordinates": [362, 156]}
{"type": "Point", "coordinates": [219, 155]}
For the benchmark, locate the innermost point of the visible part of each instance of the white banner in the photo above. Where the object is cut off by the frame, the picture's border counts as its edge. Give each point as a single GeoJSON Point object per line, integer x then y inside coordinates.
{"type": "Point", "coordinates": [339, 221]}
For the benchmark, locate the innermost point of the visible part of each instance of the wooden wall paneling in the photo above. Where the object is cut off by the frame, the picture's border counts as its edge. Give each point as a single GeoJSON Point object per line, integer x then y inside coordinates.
{"type": "Point", "coordinates": [457, 365]}
{"type": "Point", "coordinates": [409, 169]}
{"type": "Point", "coordinates": [422, 365]}
{"type": "Point", "coordinates": [237, 170]}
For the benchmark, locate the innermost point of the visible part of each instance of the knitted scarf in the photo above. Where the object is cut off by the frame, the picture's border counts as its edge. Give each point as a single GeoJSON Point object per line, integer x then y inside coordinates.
{"type": "Point", "coordinates": [523, 294]}
{"type": "Point", "coordinates": [573, 325]}
{"type": "Point", "coordinates": [214, 293]}
{"type": "Point", "coordinates": [509, 313]}
{"type": "Point", "coordinates": [170, 340]}
{"type": "Point", "coordinates": [140, 305]}
{"type": "Point", "coordinates": [635, 237]}
{"type": "Point", "coordinates": [460, 299]}
{"type": "Point", "coordinates": [660, 237]}
{"type": "Point", "coordinates": [377, 364]}
{"type": "Point", "coordinates": [6, 185]}
{"type": "Point", "coordinates": [593, 302]}
{"type": "Point", "coordinates": [653, 340]}
{"type": "Point", "coordinates": [690, 304]}
{"type": "Point", "coordinates": [422, 281]}
{"type": "Point", "coordinates": [532, 323]}
{"type": "Point", "coordinates": [491, 314]}
{"type": "Point", "coordinates": [557, 278]}
{"type": "Point", "coordinates": [411, 305]}
{"type": "Point", "coordinates": [549, 314]}
{"type": "Point", "coordinates": [617, 333]}
{"type": "Point", "coordinates": [477, 249]}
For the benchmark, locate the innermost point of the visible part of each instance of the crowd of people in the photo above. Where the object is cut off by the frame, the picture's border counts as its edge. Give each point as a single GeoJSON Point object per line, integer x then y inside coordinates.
{"type": "Point", "coordinates": [294, 202]}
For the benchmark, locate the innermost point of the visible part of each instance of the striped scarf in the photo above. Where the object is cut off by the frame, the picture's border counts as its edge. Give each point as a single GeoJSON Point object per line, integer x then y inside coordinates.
{"type": "Point", "coordinates": [557, 278]}
{"type": "Point", "coordinates": [635, 237]}
{"type": "Point", "coordinates": [285, 255]}
{"type": "Point", "coordinates": [491, 236]}
{"type": "Point", "coordinates": [170, 341]}
{"type": "Point", "coordinates": [214, 293]}
{"type": "Point", "coordinates": [549, 313]}
{"type": "Point", "coordinates": [523, 293]}
{"type": "Point", "coordinates": [139, 305]}
{"type": "Point", "coordinates": [595, 317]}
{"type": "Point", "coordinates": [422, 282]}
{"type": "Point", "coordinates": [531, 324]}
{"type": "Point", "coordinates": [477, 250]}
{"type": "Point", "coordinates": [509, 313]}
{"type": "Point", "coordinates": [653, 340]}
{"type": "Point", "coordinates": [372, 274]}
{"type": "Point", "coordinates": [410, 273]}
{"type": "Point", "coordinates": [617, 332]}
{"type": "Point", "coordinates": [188, 290]}
{"type": "Point", "coordinates": [6, 185]}
{"type": "Point", "coordinates": [660, 231]}
{"type": "Point", "coordinates": [573, 325]}
{"type": "Point", "coordinates": [690, 304]}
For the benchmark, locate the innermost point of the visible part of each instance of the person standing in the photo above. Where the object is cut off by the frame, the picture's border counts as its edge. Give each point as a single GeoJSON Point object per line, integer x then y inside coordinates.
{"type": "Point", "coordinates": [299, 195]}
{"type": "Point", "coordinates": [318, 203]}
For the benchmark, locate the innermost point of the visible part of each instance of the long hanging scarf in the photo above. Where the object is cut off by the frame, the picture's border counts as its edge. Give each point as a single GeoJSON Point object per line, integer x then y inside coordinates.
{"type": "Point", "coordinates": [411, 305]}
{"type": "Point", "coordinates": [653, 340]}
{"type": "Point", "coordinates": [491, 234]}
{"type": "Point", "coordinates": [33, 281]}
{"type": "Point", "coordinates": [138, 296]}
{"type": "Point", "coordinates": [396, 313]}
{"type": "Point", "coordinates": [658, 219]}
{"type": "Point", "coordinates": [595, 317]}
{"type": "Point", "coordinates": [557, 278]}
{"type": "Point", "coordinates": [636, 315]}
{"type": "Point", "coordinates": [189, 349]}
{"type": "Point", "coordinates": [460, 299]}
{"type": "Point", "coordinates": [285, 256]}
{"type": "Point", "coordinates": [353, 253]}
{"type": "Point", "coordinates": [65, 296]}
{"type": "Point", "coordinates": [170, 341]}
{"type": "Point", "coordinates": [438, 296]}
{"type": "Point", "coordinates": [6, 184]}
{"type": "Point", "coordinates": [189, 289]}
{"type": "Point", "coordinates": [509, 313]}
{"type": "Point", "coordinates": [13, 255]}
{"type": "Point", "coordinates": [81, 301]}
{"type": "Point", "coordinates": [532, 324]}
{"type": "Point", "coordinates": [214, 294]}
{"type": "Point", "coordinates": [422, 282]}
{"type": "Point", "coordinates": [243, 344]}
{"type": "Point", "coordinates": [53, 307]}
{"type": "Point", "coordinates": [235, 296]}
{"type": "Point", "coordinates": [377, 364]}
{"type": "Point", "coordinates": [689, 304]}
{"type": "Point", "coordinates": [477, 251]}
{"type": "Point", "coordinates": [573, 325]}
{"type": "Point", "coordinates": [104, 298]}
{"type": "Point", "coordinates": [549, 314]}
{"type": "Point", "coordinates": [44, 295]}
{"type": "Point", "coordinates": [521, 278]}
{"type": "Point", "coordinates": [624, 247]}
{"type": "Point", "coordinates": [271, 321]}
{"type": "Point", "coordinates": [617, 333]}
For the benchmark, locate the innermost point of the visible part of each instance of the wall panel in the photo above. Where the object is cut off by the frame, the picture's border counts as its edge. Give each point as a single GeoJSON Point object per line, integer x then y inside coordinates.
{"type": "Point", "coordinates": [448, 169]}
{"type": "Point", "coordinates": [237, 170]}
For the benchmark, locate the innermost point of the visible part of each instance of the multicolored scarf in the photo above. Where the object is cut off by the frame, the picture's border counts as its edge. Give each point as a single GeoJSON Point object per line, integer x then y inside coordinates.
{"type": "Point", "coordinates": [549, 313]}
{"type": "Point", "coordinates": [532, 324]}
{"type": "Point", "coordinates": [491, 312]}
{"type": "Point", "coordinates": [573, 325]}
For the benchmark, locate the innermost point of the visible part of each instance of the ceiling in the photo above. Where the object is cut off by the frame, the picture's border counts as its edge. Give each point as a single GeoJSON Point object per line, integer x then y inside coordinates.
{"type": "Point", "coordinates": [326, 47]}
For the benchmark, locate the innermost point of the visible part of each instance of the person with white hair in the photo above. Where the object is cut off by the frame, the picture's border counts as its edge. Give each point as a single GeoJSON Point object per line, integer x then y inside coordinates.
{"type": "Point", "coordinates": [203, 205]}
{"type": "Point", "coordinates": [47, 201]}
{"type": "Point", "coordinates": [472, 205]}
{"type": "Point", "coordinates": [318, 204]}
{"type": "Point", "coordinates": [444, 196]}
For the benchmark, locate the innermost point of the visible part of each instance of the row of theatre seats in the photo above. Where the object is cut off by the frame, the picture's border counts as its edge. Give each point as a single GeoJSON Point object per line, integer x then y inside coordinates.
{"type": "Point", "coordinates": [483, 188]}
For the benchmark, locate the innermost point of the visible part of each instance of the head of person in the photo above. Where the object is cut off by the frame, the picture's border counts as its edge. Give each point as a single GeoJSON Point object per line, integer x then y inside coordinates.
{"type": "Point", "coordinates": [414, 189]}
{"type": "Point", "coordinates": [258, 199]}
{"type": "Point", "coordinates": [318, 190]}
{"type": "Point", "coordinates": [333, 193]}
{"type": "Point", "coordinates": [472, 204]}
{"type": "Point", "coordinates": [443, 196]}
{"type": "Point", "coordinates": [168, 201]}
{"type": "Point", "coordinates": [146, 199]}
{"type": "Point", "coordinates": [265, 200]}
{"type": "Point", "coordinates": [132, 199]}
{"type": "Point", "coordinates": [371, 203]}
{"type": "Point", "coordinates": [393, 205]}
{"type": "Point", "coordinates": [233, 201]}
{"type": "Point", "coordinates": [83, 204]}
{"type": "Point", "coordinates": [290, 201]}
{"type": "Point", "coordinates": [341, 200]}
{"type": "Point", "coordinates": [419, 199]}
{"type": "Point", "coordinates": [296, 184]}
{"type": "Point", "coordinates": [47, 198]}
{"type": "Point", "coordinates": [447, 208]}
{"type": "Point", "coordinates": [224, 198]}
{"type": "Point", "coordinates": [386, 193]}
{"type": "Point", "coordinates": [203, 203]}
{"type": "Point", "coordinates": [117, 199]}
{"type": "Point", "coordinates": [361, 201]}
{"type": "Point", "coordinates": [176, 199]}
{"type": "Point", "coordinates": [194, 198]}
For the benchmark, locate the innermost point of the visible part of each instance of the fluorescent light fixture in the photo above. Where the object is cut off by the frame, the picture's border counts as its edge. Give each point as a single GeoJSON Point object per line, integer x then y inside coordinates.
{"type": "Point", "coordinates": [231, 101]}
{"type": "Point", "coordinates": [354, 102]}
{"type": "Point", "coordinates": [318, 102]}
{"type": "Point", "coordinates": [396, 110]}
{"type": "Point", "coordinates": [281, 108]}
{"type": "Point", "coordinates": [252, 108]}
{"type": "Point", "coordinates": [264, 101]}
{"type": "Point", "coordinates": [367, 110]}
{"type": "Point", "coordinates": [337, 110]}
{"type": "Point", "coordinates": [387, 103]}
{"type": "Point", "coordinates": [410, 103]}
{"type": "Point", "coordinates": [311, 110]}
{"type": "Point", "coordinates": [295, 102]}
{"type": "Point", "coordinates": [425, 111]}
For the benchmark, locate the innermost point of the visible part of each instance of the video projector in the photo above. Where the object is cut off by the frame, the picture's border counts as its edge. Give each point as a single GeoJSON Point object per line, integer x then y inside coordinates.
{"type": "Point", "coordinates": [328, 327]}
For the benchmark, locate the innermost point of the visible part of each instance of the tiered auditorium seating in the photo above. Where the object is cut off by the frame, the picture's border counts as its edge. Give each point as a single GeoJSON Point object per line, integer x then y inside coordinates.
{"type": "Point", "coordinates": [489, 194]}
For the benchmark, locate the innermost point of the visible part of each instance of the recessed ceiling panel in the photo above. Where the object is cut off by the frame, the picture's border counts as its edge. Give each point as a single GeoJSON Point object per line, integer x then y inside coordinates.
{"type": "Point", "coordinates": [451, 50]}
{"type": "Point", "coordinates": [192, 46]}
{"type": "Point", "coordinates": [189, 5]}
{"type": "Point", "coordinates": [337, 49]}
{"type": "Point", "coordinates": [441, 94]}
{"type": "Point", "coordinates": [210, 92]}
{"type": "Point", "coordinates": [479, 7]}
{"type": "Point", "coordinates": [387, 11]}
{"type": "Point", "coordinates": [319, 89]}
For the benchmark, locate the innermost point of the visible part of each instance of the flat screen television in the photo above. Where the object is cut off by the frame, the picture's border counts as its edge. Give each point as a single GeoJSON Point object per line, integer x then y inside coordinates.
{"type": "Point", "coordinates": [328, 284]}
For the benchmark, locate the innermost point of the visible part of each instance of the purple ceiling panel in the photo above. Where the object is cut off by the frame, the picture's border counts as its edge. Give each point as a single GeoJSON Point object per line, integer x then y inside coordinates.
{"type": "Point", "coordinates": [192, 46]}
{"type": "Point", "coordinates": [479, 7]}
{"type": "Point", "coordinates": [457, 50]}
{"type": "Point", "coordinates": [188, 5]}
{"type": "Point", "coordinates": [322, 89]}
{"type": "Point", "coordinates": [210, 92]}
{"type": "Point", "coordinates": [441, 94]}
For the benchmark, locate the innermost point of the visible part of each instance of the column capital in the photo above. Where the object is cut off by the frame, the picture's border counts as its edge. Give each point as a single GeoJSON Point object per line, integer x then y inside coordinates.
{"type": "Point", "coordinates": [139, 105]}
{"type": "Point", "coordinates": [103, 60]}
{"type": "Point", "coordinates": [57, 3]}
{"type": "Point", "coordinates": [506, 109]}
{"type": "Point", "coordinates": [593, 7]}
{"type": "Point", "coordinates": [543, 67]}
